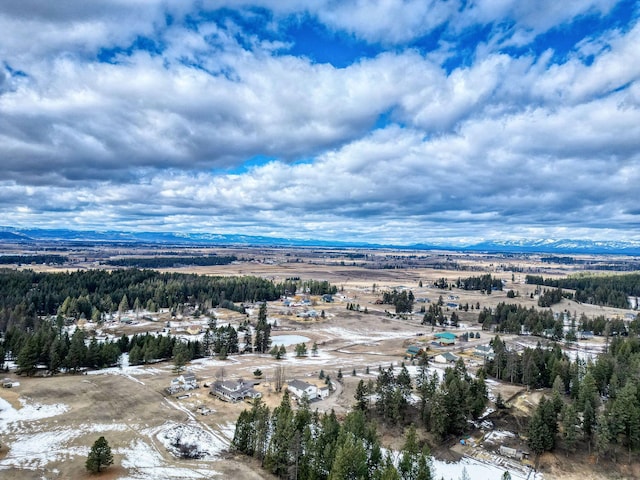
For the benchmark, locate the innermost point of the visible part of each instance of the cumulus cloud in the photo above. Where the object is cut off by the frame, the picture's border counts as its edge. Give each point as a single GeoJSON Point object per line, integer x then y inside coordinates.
{"type": "Point", "coordinates": [218, 127]}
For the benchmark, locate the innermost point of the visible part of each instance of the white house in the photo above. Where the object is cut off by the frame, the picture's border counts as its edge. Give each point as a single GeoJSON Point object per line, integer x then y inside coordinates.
{"type": "Point", "coordinates": [186, 381]}
{"type": "Point", "coordinates": [446, 357]}
{"type": "Point", "coordinates": [323, 392]}
{"type": "Point", "coordinates": [484, 351]}
{"type": "Point", "coordinates": [301, 389]}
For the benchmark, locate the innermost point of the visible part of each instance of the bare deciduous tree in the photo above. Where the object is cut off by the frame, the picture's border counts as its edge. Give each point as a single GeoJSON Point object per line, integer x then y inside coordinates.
{"type": "Point", "coordinates": [278, 378]}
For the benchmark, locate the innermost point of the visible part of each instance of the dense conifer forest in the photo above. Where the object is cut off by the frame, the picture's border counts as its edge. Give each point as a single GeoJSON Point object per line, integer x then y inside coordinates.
{"type": "Point", "coordinates": [25, 296]}
{"type": "Point", "coordinates": [35, 308]}
{"type": "Point", "coordinates": [37, 259]}
{"type": "Point", "coordinates": [610, 290]}
{"type": "Point", "coordinates": [170, 262]}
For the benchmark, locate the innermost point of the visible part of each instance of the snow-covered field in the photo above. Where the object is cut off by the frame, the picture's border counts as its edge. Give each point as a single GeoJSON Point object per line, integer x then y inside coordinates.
{"type": "Point", "coordinates": [28, 412]}
{"type": "Point", "coordinates": [32, 447]}
{"type": "Point", "coordinates": [191, 440]}
{"type": "Point", "coordinates": [478, 470]}
{"type": "Point", "coordinates": [362, 336]}
{"type": "Point", "coordinates": [145, 462]}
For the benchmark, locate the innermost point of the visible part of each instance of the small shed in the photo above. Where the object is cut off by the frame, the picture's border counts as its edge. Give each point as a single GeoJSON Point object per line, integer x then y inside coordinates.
{"type": "Point", "coordinates": [512, 452]}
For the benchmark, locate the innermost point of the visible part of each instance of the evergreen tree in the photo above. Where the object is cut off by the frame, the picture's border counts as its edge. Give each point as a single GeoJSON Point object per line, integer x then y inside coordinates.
{"type": "Point", "coordinates": [135, 355]}
{"type": "Point", "coordinates": [465, 474]}
{"type": "Point", "coordinates": [350, 461]}
{"type": "Point", "coordinates": [603, 435]}
{"type": "Point", "coordinates": [243, 435]}
{"type": "Point", "coordinates": [181, 355]}
{"type": "Point", "coordinates": [263, 331]}
{"type": "Point", "coordinates": [123, 307]}
{"type": "Point", "coordinates": [624, 418]}
{"type": "Point", "coordinates": [541, 435]}
{"type": "Point", "coordinates": [277, 459]}
{"type": "Point", "coordinates": [361, 396]}
{"type": "Point", "coordinates": [301, 350]}
{"type": "Point", "coordinates": [28, 356]}
{"type": "Point", "coordinates": [588, 423]}
{"type": "Point", "coordinates": [570, 427]}
{"type": "Point", "coordinates": [77, 351]}
{"type": "Point", "coordinates": [248, 341]}
{"type": "Point", "coordinates": [99, 456]}
{"type": "Point", "coordinates": [412, 464]}
{"type": "Point", "coordinates": [439, 420]}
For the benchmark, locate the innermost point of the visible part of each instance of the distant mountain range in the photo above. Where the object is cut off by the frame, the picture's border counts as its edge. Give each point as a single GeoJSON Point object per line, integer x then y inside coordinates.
{"type": "Point", "coordinates": [549, 246]}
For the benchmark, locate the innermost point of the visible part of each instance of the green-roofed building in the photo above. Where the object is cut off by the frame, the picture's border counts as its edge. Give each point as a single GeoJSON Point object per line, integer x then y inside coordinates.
{"type": "Point", "coordinates": [445, 338]}
{"type": "Point", "coordinates": [414, 351]}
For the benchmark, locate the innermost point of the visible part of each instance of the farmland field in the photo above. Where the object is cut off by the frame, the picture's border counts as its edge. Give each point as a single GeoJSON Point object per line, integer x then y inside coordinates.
{"type": "Point", "coordinates": [47, 424]}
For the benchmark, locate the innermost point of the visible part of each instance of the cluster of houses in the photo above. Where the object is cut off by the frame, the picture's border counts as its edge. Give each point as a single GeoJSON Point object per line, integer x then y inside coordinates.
{"type": "Point", "coordinates": [238, 390]}
{"type": "Point", "coordinates": [442, 339]}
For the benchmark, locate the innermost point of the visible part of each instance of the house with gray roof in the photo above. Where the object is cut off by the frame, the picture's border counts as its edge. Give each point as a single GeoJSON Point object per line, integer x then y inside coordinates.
{"type": "Point", "coordinates": [234, 390]}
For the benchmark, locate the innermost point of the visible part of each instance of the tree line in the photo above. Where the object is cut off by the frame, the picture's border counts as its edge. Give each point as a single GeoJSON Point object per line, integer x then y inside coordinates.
{"type": "Point", "coordinates": [51, 347]}
{"type": "Point", "coordinates": [170, 262]}
{"type": "Point", "coordinates": [514, 318]}
{"type": "Point", "coordinates": [25, 296]}
{"type": "Point", "coordinates": [552, 296]}
{"type": "Point", "coordinates": [403, 301]}
{"type": "Point", "coordinates": [38, 259]}
{"type": "Point", "coordinates": [305, 444]}
{"type": "Point", "coordinates": [610, 290]}
{"type": "Point", "coordinates": [485, 283]}
{"type": "Point", "coordinates": [445, 406]}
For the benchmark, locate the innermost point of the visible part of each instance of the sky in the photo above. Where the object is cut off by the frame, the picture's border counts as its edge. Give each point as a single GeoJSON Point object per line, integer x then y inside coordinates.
{"type": "Point", "coordinates": [382, 121]}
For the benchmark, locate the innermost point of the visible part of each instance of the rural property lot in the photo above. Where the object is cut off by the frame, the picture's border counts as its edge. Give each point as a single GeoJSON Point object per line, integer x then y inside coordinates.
{"type": "Point", "coordinates": [47, 425]}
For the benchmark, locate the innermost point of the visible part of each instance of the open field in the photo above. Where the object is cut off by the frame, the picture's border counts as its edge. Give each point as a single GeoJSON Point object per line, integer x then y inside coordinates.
{"type": "Point", "coordinates": [48, 424]}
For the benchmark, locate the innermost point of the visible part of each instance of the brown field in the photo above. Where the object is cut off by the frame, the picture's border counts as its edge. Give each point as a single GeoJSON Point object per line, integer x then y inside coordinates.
{"type": "Point", "coordinates": [132, 408]}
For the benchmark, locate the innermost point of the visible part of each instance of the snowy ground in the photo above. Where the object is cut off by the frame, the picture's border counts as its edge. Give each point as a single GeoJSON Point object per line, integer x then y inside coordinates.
{"type": "Point", "coordinates": [361, 336]}
{"type": "Point", "coordinates": [32, 447]}
{"type": "Point", "coordinates": [145, 462]}
{"type": "Point", "coordinates": [478, 470]}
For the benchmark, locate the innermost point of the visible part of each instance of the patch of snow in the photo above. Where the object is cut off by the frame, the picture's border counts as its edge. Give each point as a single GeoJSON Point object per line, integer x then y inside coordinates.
{"type": "Point", "coordinates": [205, 362]}
{"type": "Point", "coordinates": [487, 411]}
{"type": "Point", "coordinates": [477, 470]}
{"type": "Point", "coordinates": [180, 439]}
{"type": "Point", "coordinates": [28, 412]}
{"type": "Point", "coordinates": [498, 435]}
{"type": "Point", "coordinates": [37, 450]}
{"type": "Point", "coordinates": [362, 335]}
{"type": "Point", "coordinates": [144, 462]}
